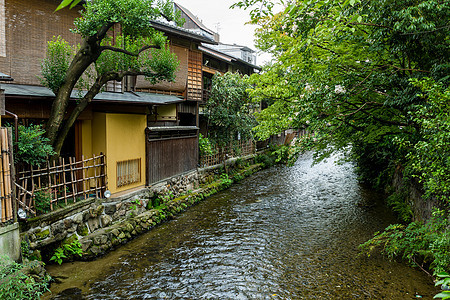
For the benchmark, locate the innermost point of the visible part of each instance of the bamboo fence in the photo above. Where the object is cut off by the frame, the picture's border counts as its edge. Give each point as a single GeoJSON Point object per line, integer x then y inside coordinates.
{"type": "Point", "coordinates": [60, 183]}
{"type": "Point", "coordinates": [6, 175]}
{"type": "Point", "coordinates": [243, 148]}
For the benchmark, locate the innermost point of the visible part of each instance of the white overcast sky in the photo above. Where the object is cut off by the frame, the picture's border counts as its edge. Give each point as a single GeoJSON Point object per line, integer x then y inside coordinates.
{"type": "Point", "coordinates": [230, 23]}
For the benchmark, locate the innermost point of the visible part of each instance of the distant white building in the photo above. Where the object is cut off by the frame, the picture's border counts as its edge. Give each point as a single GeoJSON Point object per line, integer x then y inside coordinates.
{"type": "Point", "coordinates": [242, 52]}
{"type": "Point", "coordinates": [193, 23]}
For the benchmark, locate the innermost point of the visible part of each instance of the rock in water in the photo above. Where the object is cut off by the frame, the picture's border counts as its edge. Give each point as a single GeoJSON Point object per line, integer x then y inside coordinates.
{"type": "Point", "coordinates": [70, 294]}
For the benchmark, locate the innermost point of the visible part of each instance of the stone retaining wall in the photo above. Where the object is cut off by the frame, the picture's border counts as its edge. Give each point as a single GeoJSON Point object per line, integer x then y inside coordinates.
{"type": "Point", "coordinates": [422, 208]}
{"type": "Point", "coordinates": [101, 224]}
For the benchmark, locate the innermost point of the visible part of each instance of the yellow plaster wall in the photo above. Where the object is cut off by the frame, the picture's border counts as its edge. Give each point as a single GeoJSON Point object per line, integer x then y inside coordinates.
{"type": "Point", "coordinates": [125, 139]}
{"type": "Point", "coordinates": [98, 135]}
{"type": "Point", "coordinates": [86, 138]}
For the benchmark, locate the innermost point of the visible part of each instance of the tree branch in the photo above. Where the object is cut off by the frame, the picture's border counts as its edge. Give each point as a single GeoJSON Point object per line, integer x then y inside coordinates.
{"type": "Point", "coordinates": [426, 31]}
{"type": "Point", "coordinates": [322, 47]}
{"type": "Point", "coordinates": [356, 111]}
{"type": "Point", "coordinates": [120, 50]}
{"type": "Point", "coordinates": [405, 69]}
{"type": "Point", "coordinates": [87, 98]}
{"type": "Point", "coordinates": [371, 24]}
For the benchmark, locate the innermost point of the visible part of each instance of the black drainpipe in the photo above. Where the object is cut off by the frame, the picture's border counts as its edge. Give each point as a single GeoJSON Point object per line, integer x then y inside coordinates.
{"type": "Point", "coordinates": [16, 128]}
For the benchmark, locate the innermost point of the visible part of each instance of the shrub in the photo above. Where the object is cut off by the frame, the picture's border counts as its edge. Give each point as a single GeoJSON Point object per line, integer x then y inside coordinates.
{"type": "Point", "coordinates": [265, 160]}
{"type": "Point", "coordinates": [15, 283]}
{"type": "Point", "coordinates": [398, 201]}
{"type": "Point", "coordinates": [204, 144]}
{"type": "Point", "coordinates": [32, 148]}
{"type": "Point", "coordinates": [42, 201]}
{"type": "Point", "coordinates": [422, 245]}
{"type": "Point", "coordinates": [67, 251]}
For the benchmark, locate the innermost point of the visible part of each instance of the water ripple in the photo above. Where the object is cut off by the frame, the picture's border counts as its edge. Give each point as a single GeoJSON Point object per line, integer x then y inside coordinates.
{"type": "Point", "coordinates": [284, 233]}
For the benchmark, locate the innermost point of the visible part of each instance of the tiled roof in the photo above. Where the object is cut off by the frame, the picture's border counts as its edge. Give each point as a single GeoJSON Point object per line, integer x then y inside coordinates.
{"type": "Point", "coordinates": [187, 33]}
{"type": "Point", "coordinates": [31, 91]}
{"type": "Point", "coordinates": [194, 18]}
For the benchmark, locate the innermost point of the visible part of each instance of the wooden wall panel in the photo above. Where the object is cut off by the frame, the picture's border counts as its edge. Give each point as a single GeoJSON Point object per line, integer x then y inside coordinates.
{"type": "Point", "coordinates": [169, 157]}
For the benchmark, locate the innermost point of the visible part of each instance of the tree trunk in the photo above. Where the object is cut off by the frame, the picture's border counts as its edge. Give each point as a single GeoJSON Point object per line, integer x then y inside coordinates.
{"type": "Point", "coordinates": [94, 90]}
{"type": "Point", "coordinates": [82, 60]}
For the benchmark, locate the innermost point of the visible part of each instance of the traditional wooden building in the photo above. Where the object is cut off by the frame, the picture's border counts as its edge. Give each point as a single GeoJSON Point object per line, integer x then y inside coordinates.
{"type": "Point", "coordinates": [147, 132]}
{"type": "Point", "coordinates": [217, 58]}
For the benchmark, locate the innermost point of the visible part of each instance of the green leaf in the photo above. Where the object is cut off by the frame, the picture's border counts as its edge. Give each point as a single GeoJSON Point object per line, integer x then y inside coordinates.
{"type": "Point", "coordinates": [443, 295]}
{"type": "Point", "coordinates": [75, 2]}
{"type": "Point", "coordinates": [63, 4]}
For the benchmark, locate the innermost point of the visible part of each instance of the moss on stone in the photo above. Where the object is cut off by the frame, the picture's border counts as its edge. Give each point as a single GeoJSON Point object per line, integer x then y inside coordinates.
{"type": "Point", "coordinates": [70, 240]}
{"type": "Point", "coordinates": [82, 230]}
{"type": "Point", "coordinates": [35, 255]}
{"type": "Point", "coordinates": [40, 235]}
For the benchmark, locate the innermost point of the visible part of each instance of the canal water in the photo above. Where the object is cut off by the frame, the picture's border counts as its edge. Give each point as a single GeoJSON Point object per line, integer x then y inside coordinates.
{"type": "Point", "coordinates": [284, 233]}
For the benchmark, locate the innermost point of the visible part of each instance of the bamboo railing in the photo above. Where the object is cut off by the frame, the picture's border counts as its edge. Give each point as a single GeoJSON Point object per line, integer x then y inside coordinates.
{"type": "Point", "coordinates": [59, 183]}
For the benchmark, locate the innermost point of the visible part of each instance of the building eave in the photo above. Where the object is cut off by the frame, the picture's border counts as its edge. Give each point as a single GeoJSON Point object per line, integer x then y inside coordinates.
{"type": "Point", "coordinates": [226, 57]}
{"type": "Point", "coordinates": [181, 32]}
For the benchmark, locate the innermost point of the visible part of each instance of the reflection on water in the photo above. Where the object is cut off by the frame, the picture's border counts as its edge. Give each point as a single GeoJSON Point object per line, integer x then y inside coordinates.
{"type": "Point", "coordinates": [284, 233]}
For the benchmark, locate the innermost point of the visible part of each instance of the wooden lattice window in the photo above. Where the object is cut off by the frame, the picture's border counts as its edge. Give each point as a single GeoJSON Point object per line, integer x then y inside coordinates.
{"type": "Point", "coordinates": [128, 172]}
{"type": "Point", "coordinates": [195, 89]}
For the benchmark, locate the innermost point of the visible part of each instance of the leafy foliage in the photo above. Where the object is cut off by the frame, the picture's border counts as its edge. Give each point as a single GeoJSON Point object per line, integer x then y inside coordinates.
{"type": "Point", "coordinates": [204, 145]}
{"type": "Point", "coordinates": [444, 281]}
{"type": "Point", "coordinates": [398, 201]}
{"type": "Point", "coordinates": [427, 155]}
{"type": "Point", "coordinates": [65, 3]}
{"type": "Point", "coordinates": [66, 251]}
{"type": "Point", "coordinates": [424, 245]}
{"type": "Point", "coordinates": [155, 64]}
{"type": "Point", "coordinates": [286, 154]}
{"type": "Point", "coordinates": [15, 284]}
{"type": "Point", "coordinates": [373, 75]}
{"type": "Point", "coordinates": [343, 69]}
{"type": "Point", "coordinates": [56, 63]}
{"type": "Point", "coordinates": [133, 15]}
{"type": "Point", "coordinates": [33, 147]}
{"type": "Point", "coordinates": [228, 109]}
{"type": "Point", "coordinates": [42, 201]}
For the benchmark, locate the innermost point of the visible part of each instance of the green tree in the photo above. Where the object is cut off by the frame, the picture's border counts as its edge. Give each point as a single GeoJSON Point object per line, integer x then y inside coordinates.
{"type": "Point", "coordinates": [428, 155]}
{"type": "Point", "coordinates": [344, 69]}
{"type": "Point", "coordinates": [138, 50]}
{"type": "Point", "coordinates": [229, 111]}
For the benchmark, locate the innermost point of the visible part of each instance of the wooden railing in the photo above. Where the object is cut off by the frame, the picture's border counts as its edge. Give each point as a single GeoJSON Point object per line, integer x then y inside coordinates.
{"type": "Point", "coordinates": [40, 190]}
{"type": "Point", "coordinates": [241, 149]}
{"type": "Point", "coordinates": [7, 209]}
